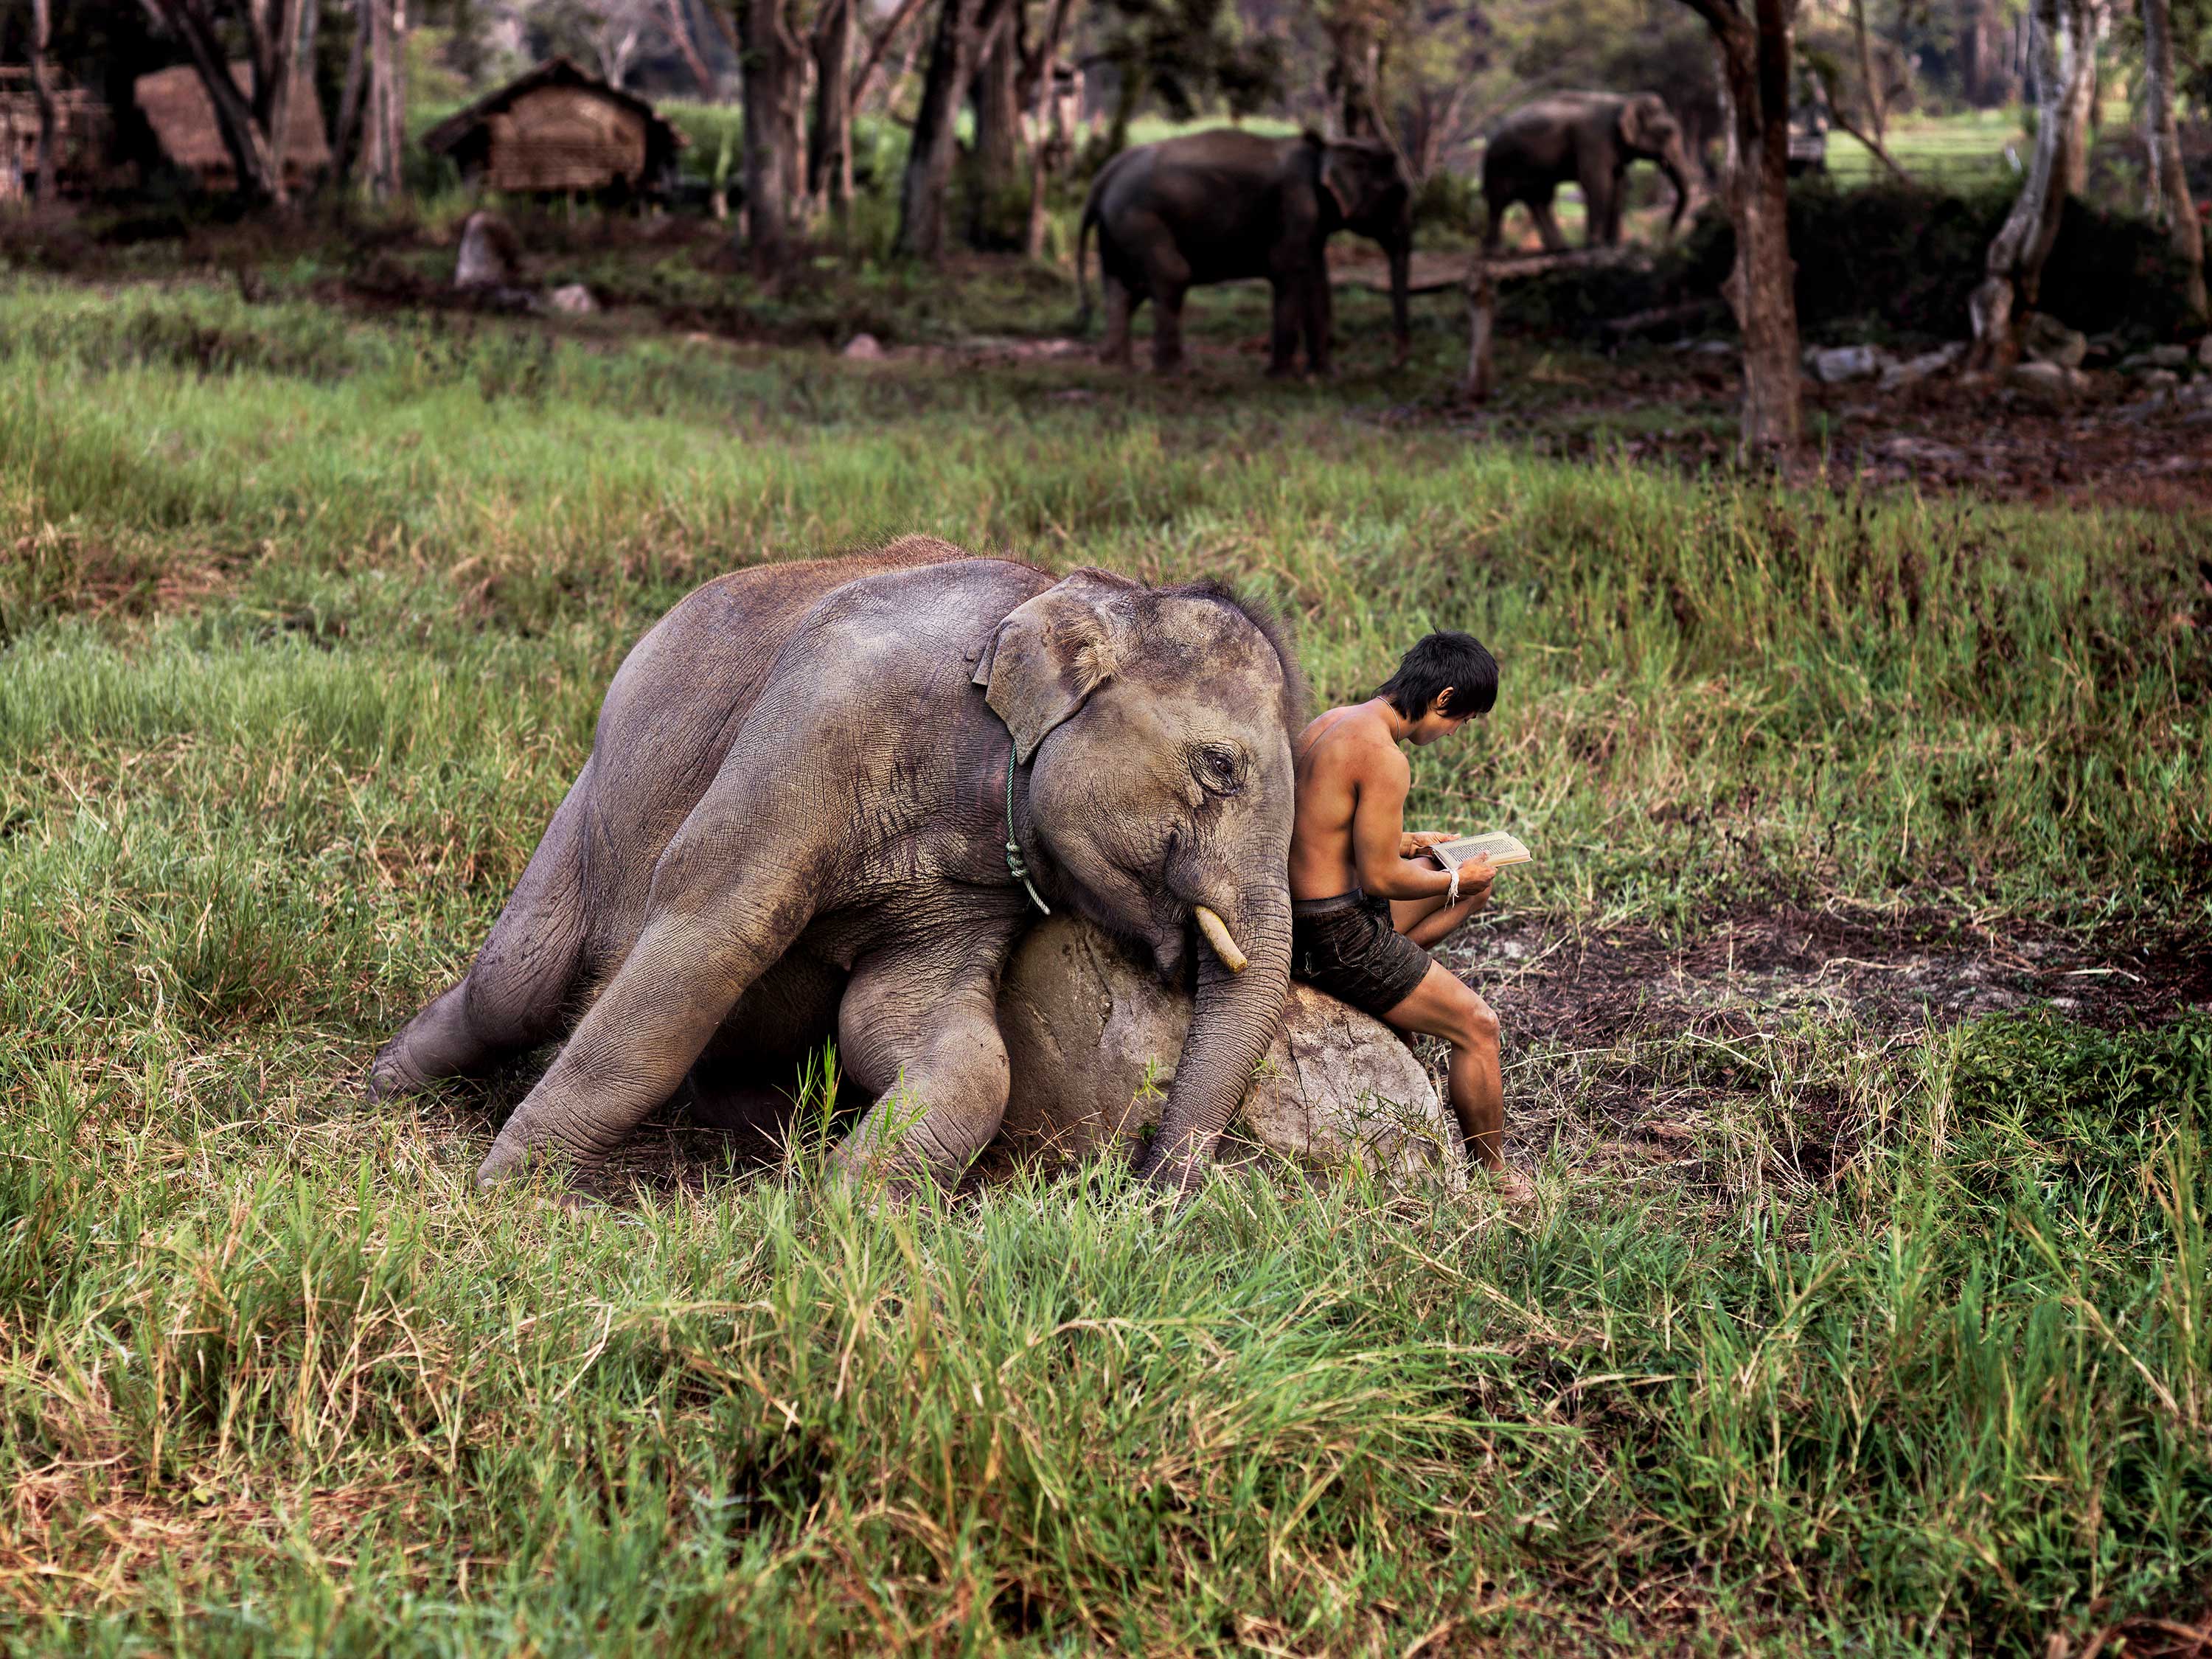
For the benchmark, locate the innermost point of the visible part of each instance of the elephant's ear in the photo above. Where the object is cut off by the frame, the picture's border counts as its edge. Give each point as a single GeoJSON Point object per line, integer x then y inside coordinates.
{"type": "Point", "coordinates": [1050, 654]}
{"type": "Point", "coordinates": [1640, 120]}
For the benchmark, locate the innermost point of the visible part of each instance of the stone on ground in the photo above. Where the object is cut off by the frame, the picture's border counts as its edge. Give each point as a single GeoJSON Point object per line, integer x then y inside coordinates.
{"type": "Point", "coordinates": [487, 253]}
{"type": "Point", "coordinates": [575, 300]}
{"type": "Point", "coordinates": [1092, 1038]}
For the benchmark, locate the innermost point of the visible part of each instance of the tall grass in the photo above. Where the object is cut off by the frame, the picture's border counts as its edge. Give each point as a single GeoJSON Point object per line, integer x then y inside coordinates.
{"type": "Point", "coordinates": [303, 621]}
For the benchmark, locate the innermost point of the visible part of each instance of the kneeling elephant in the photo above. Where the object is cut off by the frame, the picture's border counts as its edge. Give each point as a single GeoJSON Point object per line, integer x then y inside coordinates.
{"type": "Point", "coordinates": [833, 795]}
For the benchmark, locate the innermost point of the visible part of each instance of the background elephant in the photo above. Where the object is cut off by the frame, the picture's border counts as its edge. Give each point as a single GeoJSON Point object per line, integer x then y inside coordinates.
{"type": "Point", "coordinates": [794, 823]}
{"type": "Point", "coordinates": [1219, 206]}
{"type": "Point", "coordinates": [1589, 138]}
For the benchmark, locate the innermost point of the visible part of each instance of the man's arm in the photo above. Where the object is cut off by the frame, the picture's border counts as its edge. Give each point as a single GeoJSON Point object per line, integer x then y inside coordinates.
{"type": "Point", "coordinates": [1379, 829]}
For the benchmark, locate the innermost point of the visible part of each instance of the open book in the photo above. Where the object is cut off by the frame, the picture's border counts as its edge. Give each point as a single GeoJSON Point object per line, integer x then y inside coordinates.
{"type": "Point", "coordinates": [1497, 847]}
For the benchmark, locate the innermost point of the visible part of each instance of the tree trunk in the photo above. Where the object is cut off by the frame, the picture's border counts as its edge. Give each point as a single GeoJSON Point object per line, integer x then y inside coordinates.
{"type": "Point", "coordinates": [386, 119]}
{"type": "Point", "coordinates": [962, 27]}
{"type": "Point", "coordinates": [2169, 205]}
{"type": "Point", "coordinates": [1354, 69]}
{"type": "Point", "coordinates": [676, 19]}
{"type": "Point", "coordinates": [2063, 66]}
{"type": "Point", "coordinates": [999, 109]}
{"type": "Point", "coordinates": [1761, 288]}
{"type": "Point", "coordinates": [1050, 148]}
{"type": "Point", "coordinates": [1481, 291]}
{"type": "Point", "coordinates": [248, 143]}
{"type": "Point", "coordinates": [346, 142]}
{"type": "Point", "coordinates": [864, 77]}
{"type": "Point", "coordinates": [771, 56]}
{"type": "Point", "coordinates": [276, 39]}
{"type": "Point", "coordinates": [1877, 114]}
{"type": "Point", "coordinates": [42, 88]}
{"type": "Point", "coordinates": [829, 137]}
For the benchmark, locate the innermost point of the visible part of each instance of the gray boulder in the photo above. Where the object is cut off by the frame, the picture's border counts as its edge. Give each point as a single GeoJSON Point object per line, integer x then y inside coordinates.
{"type": "Point", "coordinates": [1092, 1036]}
{"type": "Point", "coordinates": [2047, 340]}
{"type": "Point", "coordinates": [2050, 382]}
{"type": "Point", "coordinates": [1839, 363]}
{"type": "Point", "coordinates": [490, 255]}
{"type": "Point", "coordinates": [574, 301]}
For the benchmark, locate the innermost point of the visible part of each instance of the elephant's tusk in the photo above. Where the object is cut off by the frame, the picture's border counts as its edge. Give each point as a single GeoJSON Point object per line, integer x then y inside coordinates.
{"type": "Point", "coordinates": [1216, 935]}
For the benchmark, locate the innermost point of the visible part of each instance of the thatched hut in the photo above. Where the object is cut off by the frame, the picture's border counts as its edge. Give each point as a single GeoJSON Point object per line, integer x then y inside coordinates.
{"type": "Point", "coordinates": [176, 105]}
{"type": "Point", "coordinates": [559, 129]}
{"type": "Point", "coordinates": [81, 134]}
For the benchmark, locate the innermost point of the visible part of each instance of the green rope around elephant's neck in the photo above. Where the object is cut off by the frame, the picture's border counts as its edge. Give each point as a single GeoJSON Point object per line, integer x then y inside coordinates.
{"type": "Point", "coordinates": [1015, 866]}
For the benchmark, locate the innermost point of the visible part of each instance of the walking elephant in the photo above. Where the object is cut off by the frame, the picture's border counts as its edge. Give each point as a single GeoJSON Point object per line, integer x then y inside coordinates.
{"type": "Point", "coordinates": [1222, 205]}
{"type": "Point", "coordinates": [1587, 138]}
{"type": "Point", "coordinates": [828, 798]}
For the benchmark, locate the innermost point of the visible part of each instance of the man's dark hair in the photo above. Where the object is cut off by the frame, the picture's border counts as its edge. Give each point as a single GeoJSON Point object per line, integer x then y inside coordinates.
{"type": "Point", "coordinates": [1456, 661]}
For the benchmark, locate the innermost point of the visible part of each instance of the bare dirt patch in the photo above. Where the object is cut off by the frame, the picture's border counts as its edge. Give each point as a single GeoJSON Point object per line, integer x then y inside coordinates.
{"type": "Point", "coordinates": [1553, 981]}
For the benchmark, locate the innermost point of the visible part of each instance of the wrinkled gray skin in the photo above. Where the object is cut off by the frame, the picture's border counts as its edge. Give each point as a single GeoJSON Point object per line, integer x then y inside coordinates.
{"type": "Point", "coordinates": [1220, 206]}
{"type": "Point", "coordinates": [1587, 138]}
{"type": "Point", "coordinates": [792, 825]}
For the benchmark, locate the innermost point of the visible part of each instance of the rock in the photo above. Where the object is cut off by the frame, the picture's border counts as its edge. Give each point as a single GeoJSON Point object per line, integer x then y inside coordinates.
{"type": "Point", "coordinates": [2051, 382]}
{"type": "Point", "coordinates": [574, 301]}
{"type": "Point", "coordinates": [2168, 357]}
{"type": "Point", "coordinates": [863, 348]}
{"type": "Point", "coordinates": [490, 256]}
{"type": "Point", "coordinates": [2160, 377]}
{"type": "Point", "coordinates": [1839, 363]}
{"type": "Point", "coordinates": [1092, 1038]}
{"type": "Point", "coordinates": [1913, 370]}
{"type": "Point", "coordinates": [1920, 452]}
{"type": "Point", "coordinates": [2204, 352]}
{"type": "Point", "coordinates": [2047, 340]}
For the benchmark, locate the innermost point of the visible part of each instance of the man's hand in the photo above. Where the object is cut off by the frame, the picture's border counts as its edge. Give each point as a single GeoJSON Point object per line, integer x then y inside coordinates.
{"type": "Point", "coordinates": [1414, 843]}
{"type": "Point", "coordinates": [1474, 878]}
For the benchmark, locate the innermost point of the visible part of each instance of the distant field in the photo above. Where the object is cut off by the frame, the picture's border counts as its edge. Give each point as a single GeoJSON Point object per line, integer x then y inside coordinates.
{"type": "Point", "coordinates": [1869, 1307]}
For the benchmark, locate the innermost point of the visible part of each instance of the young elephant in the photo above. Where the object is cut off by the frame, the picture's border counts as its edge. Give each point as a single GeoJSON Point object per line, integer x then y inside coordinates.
{"type": "Point", "coordinates": [1219, 206]}
{"type": "Point", "coordinates": [796, 818]}
{"type": "Point", "coordinates": [1581, 137]}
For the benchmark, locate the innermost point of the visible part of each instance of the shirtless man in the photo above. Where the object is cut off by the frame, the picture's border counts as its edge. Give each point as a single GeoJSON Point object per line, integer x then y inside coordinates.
{"type": "Point", "coordinates": [1365, 904]}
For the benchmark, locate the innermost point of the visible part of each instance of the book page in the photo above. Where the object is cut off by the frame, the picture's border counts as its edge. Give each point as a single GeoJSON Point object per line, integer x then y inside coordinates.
{"type": "Point", "coordinates": [1497, 845]}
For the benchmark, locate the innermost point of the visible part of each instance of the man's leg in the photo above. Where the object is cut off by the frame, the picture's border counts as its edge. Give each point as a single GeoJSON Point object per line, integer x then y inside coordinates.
{"type": "Point", "coordinates": [1442, 1006]}
{"type": "Point", "coordinates": [1429, 921]}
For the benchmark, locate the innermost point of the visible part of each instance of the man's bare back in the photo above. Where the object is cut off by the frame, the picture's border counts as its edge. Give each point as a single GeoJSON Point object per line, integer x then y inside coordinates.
{"type": "Point", "coordinates": [1345, 754]}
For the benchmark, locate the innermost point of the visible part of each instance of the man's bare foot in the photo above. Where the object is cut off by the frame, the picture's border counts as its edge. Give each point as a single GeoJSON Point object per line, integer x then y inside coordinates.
{"type": "Point", "coordinates": [1507, 1184]}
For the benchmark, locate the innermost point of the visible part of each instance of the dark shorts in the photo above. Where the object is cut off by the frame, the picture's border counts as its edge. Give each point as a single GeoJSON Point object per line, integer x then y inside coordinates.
{"type": "Point", "coordinates": [1346, 946]}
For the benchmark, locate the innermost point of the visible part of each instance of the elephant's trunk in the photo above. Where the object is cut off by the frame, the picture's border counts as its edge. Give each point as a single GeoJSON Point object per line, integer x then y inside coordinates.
{"type": "Point", "coordinates": [1399, 248]}
{"type": "Point", "coordinates": [1676, 166]}
{"type": "Point", "coordinates": [1230, 1032]}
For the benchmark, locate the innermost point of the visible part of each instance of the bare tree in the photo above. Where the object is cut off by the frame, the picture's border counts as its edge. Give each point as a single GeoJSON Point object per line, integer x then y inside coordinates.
{"type": "Point", "coordinates": [1754, 49]}
{"type": "Point", "coordinates": [773, 61]}
{"type": "Point", "coordinates": [386, 114]}
{"type": "Point", "coordinates": [2167, 186]}
{"type": "Point", "coordinates": [42, 88]}
{"type": "Point", "coordinates": [864, 77]}
{"type": "Point", "coordinates": [830, 132]}
{"type": "Point", "coordinates": [1052, 126]}
{"type": "Point", "coordinates": [676, 24]}
{"type": "Point", "coordinates": [2063, 53]}
{"type": "Point", "coordinates": [963, 27]}
{"type": "Point", "coordinates": [254, 127]}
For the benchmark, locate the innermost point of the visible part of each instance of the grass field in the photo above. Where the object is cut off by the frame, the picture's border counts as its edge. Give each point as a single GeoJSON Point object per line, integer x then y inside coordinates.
{"type": "Point", "coordinates": [1846, 1323]}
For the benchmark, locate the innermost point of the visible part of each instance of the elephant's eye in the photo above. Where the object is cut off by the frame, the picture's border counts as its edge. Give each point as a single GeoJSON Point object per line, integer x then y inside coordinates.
{"type": "Point", "coordinates": [1218, 767]}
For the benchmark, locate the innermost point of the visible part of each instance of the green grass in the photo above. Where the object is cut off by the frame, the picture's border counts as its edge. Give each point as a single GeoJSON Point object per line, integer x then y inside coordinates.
{"type": "Point", "coordinates": [303, 620]}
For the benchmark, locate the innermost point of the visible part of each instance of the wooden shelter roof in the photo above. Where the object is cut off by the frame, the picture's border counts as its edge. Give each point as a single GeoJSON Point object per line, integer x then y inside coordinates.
{"type": "Point", "coordinates": [553, 72]}
{"type": "Point", "coordinates": [177, 106]}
